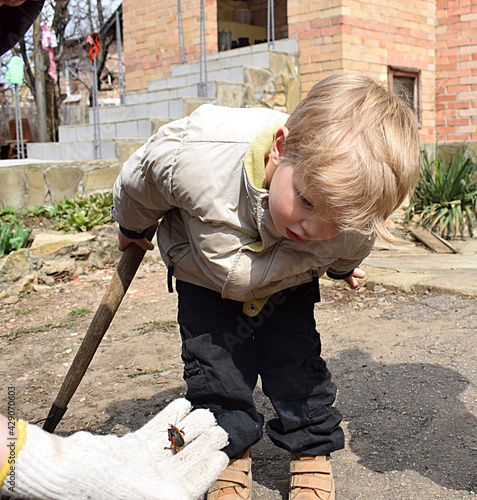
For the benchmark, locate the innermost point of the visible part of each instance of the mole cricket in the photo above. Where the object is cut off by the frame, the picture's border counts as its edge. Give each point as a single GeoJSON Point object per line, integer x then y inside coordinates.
{"type": "Point", "coordinates": [176, 438]}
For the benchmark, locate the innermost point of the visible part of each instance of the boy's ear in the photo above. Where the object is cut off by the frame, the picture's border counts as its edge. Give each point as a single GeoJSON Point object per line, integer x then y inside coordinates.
{"type": "Point", "coordinates": [278, 145]}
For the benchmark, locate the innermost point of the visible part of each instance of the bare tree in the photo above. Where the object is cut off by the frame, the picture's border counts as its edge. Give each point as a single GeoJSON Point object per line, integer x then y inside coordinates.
{"type": "Point", "coordinates": [72, 23]}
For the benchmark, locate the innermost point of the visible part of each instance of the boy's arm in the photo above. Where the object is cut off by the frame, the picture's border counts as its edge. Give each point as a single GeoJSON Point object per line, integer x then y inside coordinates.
{"type": "Point", "coordinates": [348, 269]}
{"type": "Point", "coordinates": [143, 190]}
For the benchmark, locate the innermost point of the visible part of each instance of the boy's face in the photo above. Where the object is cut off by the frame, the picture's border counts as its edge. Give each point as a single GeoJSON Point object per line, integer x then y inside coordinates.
{"type": "Point", "coordinates": [293, 216]}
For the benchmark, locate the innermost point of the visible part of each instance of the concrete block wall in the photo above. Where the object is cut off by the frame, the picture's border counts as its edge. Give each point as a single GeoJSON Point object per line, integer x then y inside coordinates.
{"type": "Point", "coordinates": [456, 104]}
{"type": "Point", "coordinates": [248, 76]}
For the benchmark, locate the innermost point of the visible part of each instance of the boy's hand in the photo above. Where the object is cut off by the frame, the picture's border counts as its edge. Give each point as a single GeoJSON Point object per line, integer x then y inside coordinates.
{"type": "Point", "coordinates": [352, 281]}
{"type": "Point", "coordinates": [124, 242]}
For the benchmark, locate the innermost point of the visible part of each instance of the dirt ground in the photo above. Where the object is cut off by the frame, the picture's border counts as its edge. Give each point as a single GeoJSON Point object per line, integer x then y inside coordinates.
{"type": "Point", "coordinates": [404, 365]}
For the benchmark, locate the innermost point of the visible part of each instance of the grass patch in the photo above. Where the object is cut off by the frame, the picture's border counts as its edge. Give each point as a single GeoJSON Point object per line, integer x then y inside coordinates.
{"type": "Point", "coordinates": [146, 371]}
{"type": "Point", "coordinates": [25, 311]}
{"type": "Point", "coordinates": [19, 332]}
{"type": "Point", "coordinates": [158, 324]}
{"type": "Point", "coordinates": [79, 312]}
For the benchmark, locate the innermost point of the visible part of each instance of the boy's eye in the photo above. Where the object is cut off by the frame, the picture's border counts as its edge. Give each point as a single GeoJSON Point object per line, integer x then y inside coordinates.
{"type": "Point", "coordinates": [305, 201]}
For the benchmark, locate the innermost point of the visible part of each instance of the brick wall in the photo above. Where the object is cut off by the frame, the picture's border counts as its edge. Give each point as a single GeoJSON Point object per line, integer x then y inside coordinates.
{"type": "Point", "coordinates": [339, 35]}
{"type": "Point", "coordinates": [151, 37]}
{"type": "Point", "coordinates": [436, 37]}
{"type": "Point", "coordinates": [456, 106]}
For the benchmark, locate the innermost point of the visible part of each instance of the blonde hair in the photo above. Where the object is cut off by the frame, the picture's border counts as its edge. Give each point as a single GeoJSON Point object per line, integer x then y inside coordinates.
{"type": "Point", "coordinates": [356, 145]}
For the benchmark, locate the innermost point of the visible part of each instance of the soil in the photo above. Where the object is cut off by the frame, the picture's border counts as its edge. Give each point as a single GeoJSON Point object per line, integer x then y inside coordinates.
{"type": "Point", "coordinates": [404, 365]}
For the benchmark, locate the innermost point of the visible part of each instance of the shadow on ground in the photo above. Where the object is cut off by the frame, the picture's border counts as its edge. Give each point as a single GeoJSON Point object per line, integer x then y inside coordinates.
{"type": "Point", "coordinates": [405, 416]}
{"type": "Point", "coordinates": [408, 416]}
{"type": "Point", "coordinates": [134, 413]}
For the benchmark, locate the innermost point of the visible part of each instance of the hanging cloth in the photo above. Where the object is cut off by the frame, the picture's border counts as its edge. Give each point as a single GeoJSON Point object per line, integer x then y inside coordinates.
{"type": "Point", "coordinates": [95, 46]}
{"type": "Point", "coordinates": [48, 41]}
{"type": "Point", "coordinates": [15, 70]}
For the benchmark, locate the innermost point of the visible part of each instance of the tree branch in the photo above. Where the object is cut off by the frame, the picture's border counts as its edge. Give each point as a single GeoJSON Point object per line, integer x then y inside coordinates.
{"type": "Point", "coordinates": [28, 73]}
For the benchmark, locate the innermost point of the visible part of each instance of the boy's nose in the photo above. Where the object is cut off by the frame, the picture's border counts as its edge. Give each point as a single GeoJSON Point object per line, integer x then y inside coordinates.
{"type": "Point", "coordinates": [319, 230]}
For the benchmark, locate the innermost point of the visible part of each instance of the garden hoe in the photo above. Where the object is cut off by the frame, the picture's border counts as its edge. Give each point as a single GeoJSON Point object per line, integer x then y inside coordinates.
{"type": "Point", "coordinates": [124, 274]}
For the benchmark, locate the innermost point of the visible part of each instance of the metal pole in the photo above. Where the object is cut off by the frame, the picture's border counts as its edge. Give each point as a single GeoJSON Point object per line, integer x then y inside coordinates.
{"type": "Point", "coordinates": [119, 45]}
{"type": "Point", "coordinates": [271, 25]}
{"type": "Point", "coordinates": [97, 137]}
{"type": "Point", "coordinates": [182, 54]}
{"type": "Point", "coordinates": [19, 125]}
{"type": "Point", "coordinates": [203, 60]}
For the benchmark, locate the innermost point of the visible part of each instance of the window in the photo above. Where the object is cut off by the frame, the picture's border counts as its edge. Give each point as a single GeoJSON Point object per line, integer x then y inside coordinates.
{"type": "Point", "coordinates": [406, 83]}
{"type": "Point", "coordinates": [73, 91]}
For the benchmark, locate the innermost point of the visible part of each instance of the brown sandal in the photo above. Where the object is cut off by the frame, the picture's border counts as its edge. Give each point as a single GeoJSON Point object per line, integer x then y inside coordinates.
{"type": "Point", "coordinates": [237, 476]}
{"type": "Point", "coordinates": [311, 478]}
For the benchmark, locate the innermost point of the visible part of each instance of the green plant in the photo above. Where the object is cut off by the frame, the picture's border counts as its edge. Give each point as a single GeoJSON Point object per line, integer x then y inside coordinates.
{"type": "Point", "coordinates": [10, 214]}
{"type": "Point", "coordinates": [445, 199]}
{"type": "Point", "coordinates": [12, 237]}
{"type": "Point", "coordinates": [82, 212]}
{"type": "Point", "coordinates": [77, 214]}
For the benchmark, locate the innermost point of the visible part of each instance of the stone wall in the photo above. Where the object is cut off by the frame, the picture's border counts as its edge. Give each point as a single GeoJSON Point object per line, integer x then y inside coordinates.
{"type": "Point", "coordinates": [25, 184]}
{"type": "Point", "coordinates": [276, 87]}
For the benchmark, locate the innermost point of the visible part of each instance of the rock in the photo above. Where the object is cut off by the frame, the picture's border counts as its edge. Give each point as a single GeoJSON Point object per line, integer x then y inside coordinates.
{"type": "Point", "coordinates": [12, 188]}
{"type": "Point", "coordinates": [100, 179]}
{"type": "Point", "coordinates": [26, 283]}
{"type": "Point", "coordinates": [51, 243]}
{"type": "Point", "coordinates": [63, 182]}
{"type": "Point", "coordinates": [13, 299]}
{"type": "Point", "coordinates": [47, 281]}
{"type": "Point", "coordinates": [14, 265]}
{"type": "Point", "coordinates": [258, 78]}
{"type": "Point", "coordinates": [53, 253]}
{"type": "Point", "coordinates": [37, 188]}
{"type": "Point", "coordinates": [273, 100]}
{"type": "Point", "coordinates": [58, 266]}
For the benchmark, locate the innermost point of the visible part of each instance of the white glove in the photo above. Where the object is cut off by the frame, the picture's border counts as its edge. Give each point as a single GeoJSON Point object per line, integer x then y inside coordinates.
{"type": "Point", "coordinates": [134, 467]}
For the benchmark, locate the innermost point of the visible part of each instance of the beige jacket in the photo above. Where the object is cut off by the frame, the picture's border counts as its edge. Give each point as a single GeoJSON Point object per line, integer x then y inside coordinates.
{"type": "Point", "coordinates": [204, 177]}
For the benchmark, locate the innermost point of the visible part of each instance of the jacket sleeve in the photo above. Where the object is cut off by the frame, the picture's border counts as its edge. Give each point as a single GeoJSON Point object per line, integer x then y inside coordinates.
{"type": "Point", "coordinates": [143, 191]}
{"type": "Point", "coordinates": [343, 268]}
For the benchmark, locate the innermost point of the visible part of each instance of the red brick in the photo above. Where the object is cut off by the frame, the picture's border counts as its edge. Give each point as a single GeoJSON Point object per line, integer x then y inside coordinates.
{"type": "Point", "coordinates": [448, 20]}
{"type": "Point", "coordinates": [321, 23]}
{"type": "Point", "coordinates": [445, 97]}
{"type": "Point", "coordinates": [456, 89]}
{"type": "Point", "coordinates": [458, 121]}
{"type": "Point", "coordinates": [459, 137]}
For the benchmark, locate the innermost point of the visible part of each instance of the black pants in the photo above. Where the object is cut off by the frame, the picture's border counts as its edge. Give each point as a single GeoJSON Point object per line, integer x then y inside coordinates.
{"type": "Point", "coordinates": [225, 350]}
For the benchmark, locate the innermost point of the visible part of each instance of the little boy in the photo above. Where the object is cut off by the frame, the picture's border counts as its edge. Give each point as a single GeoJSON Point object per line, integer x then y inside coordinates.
{"type": "Point", "coordinates": [255, 206]}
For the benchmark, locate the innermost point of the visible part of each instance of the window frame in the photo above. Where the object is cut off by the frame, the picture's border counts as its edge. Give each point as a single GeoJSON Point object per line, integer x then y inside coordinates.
{"type": "Point", "coordinates": [415, 74]}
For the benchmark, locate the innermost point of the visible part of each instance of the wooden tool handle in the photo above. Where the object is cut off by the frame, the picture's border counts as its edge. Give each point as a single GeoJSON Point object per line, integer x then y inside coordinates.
{"type": "Point", "coordinates": [124, 274]}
